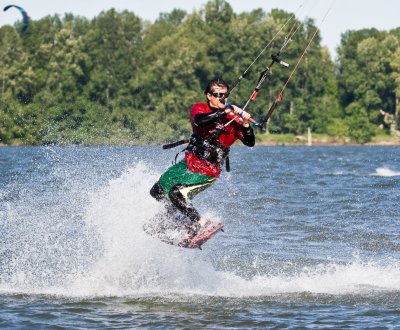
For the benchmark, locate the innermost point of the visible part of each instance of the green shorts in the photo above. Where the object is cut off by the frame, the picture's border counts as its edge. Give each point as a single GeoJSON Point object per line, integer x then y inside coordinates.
{"type": "Point", "coordinates": [191, 182]}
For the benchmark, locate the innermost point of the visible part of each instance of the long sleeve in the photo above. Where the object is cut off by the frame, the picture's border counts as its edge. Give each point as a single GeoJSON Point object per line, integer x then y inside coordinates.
{"type": "Point", "coordinates": [205, 118]}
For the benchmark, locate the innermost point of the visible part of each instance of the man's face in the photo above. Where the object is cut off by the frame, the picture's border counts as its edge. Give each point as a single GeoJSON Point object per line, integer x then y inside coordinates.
{"type": "Point", "coordinates": [217, 97]}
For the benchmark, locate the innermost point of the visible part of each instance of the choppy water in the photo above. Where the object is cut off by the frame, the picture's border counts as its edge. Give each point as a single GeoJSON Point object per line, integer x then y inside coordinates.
{"type": "Point", "coordinates": [312, 239]}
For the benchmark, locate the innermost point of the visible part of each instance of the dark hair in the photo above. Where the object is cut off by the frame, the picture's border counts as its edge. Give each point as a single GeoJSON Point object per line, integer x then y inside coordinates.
{"type": "Point", "coordinates": [215, 82]}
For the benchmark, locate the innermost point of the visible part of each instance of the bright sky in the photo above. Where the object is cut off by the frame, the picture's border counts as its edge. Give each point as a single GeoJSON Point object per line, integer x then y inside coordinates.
{"type": "Point", "coordinates": [344, 14]}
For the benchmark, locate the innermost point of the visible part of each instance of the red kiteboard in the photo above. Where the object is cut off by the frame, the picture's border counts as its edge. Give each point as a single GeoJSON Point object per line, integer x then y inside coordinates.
{"type": "Point", "coordinates": [174, 237]}
{"type": "Point", "coordinates": [198, 240]}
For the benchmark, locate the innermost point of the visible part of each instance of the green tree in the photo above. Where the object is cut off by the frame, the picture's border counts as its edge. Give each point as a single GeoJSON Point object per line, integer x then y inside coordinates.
{"type": "Point", "coordinates": [360, 128]}
{"type": "Point", "coordinates": [366, 74]}
{"type": "Point", "coordinates": [395, 64]}
{"type": "Point", "coordinates": [66, 66]}
{"type": "Point", "coordinates": [113, 44]}
{"type": "Point", "coordinates": [15, 72]}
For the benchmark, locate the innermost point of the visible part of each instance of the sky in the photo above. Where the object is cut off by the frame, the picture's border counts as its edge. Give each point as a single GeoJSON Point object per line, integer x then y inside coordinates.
{"type": "Point", "coordinates": [343, 14]}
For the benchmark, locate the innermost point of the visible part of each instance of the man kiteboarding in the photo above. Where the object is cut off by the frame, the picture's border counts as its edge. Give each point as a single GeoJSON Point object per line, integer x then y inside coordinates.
{"type": "Point", "coordinates": [216, 126]}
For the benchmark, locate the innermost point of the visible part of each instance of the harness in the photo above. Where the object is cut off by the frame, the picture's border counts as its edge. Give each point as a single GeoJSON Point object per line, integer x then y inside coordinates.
{"type": "Point", "coordinates": [208, 149]}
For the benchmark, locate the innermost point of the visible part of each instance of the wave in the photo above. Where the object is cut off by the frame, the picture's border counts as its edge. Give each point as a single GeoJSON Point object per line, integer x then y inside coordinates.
{"type": "Point", "coordinates": [385, 172]}
{"type": "Point", "coordinates": [125, 261]}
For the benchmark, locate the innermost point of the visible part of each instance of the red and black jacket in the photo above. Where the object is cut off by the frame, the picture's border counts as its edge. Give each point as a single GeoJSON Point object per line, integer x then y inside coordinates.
{"type": "Point", "coordinates": [210, 141]}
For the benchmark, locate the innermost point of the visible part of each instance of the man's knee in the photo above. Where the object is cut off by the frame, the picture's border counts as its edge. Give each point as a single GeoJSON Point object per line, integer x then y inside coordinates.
{"type": "Point", "coordinates": [157, 192]}
{"type": "Point", "coordinates": [176, 196]}
{"type": "Point", "coordinates": [179, 201]}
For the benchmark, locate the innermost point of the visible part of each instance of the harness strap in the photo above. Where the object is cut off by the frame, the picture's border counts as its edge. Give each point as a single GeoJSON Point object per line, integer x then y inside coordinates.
{"type": "Point", "coordinates": [227, 164]}
{"type": "Point", "coordinates": [176, 156]}
{"type": "Point", "coordinates": [175, 144]}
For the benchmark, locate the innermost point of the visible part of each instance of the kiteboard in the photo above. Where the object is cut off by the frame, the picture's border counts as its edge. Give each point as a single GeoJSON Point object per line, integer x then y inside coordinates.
{"type": "Point", "coordinates": [198, 240]}
{"type": "Point", "coordinates": [176, 236]}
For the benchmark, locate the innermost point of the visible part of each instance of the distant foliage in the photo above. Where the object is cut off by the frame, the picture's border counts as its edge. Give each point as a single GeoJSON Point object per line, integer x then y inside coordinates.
{"type": "Point", "coordinates": [119, 79]}
{"type": "Point", "coordinates": [368, 81]}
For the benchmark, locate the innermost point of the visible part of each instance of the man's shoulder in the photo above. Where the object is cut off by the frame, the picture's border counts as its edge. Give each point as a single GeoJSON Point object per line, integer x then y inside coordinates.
{"type": "Point", "coordinates": [201, 107]}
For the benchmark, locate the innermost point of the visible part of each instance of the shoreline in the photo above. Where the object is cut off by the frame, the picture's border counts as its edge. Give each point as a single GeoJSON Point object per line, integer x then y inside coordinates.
{"type": "Point", "coordinates": [261, 140]}
{"type": "Point", "coordinates": [323, 140]}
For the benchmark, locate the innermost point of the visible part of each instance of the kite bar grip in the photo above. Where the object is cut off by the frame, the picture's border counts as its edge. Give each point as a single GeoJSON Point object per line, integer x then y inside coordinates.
{"type": "Point", "coordinates": [251, 120]}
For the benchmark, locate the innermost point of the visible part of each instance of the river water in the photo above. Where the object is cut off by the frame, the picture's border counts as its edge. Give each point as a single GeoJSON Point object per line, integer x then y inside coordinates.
{"type": "Point", "coordinates": [312, 240]}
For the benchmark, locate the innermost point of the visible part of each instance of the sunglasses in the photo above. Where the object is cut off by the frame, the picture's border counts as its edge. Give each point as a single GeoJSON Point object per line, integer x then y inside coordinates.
{"type": "Point", "coordinates": [220, 95]}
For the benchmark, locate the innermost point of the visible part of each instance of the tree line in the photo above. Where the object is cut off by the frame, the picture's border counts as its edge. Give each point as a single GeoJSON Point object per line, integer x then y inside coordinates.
{"type": "Point", "coordinates": [117, 78]}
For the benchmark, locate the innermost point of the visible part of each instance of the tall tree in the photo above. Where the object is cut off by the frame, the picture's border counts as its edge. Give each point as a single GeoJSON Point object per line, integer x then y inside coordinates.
{"type": "Point", "coordinates": [113, 44]}
{"type": "Point", "coordinates": [366, 84]}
